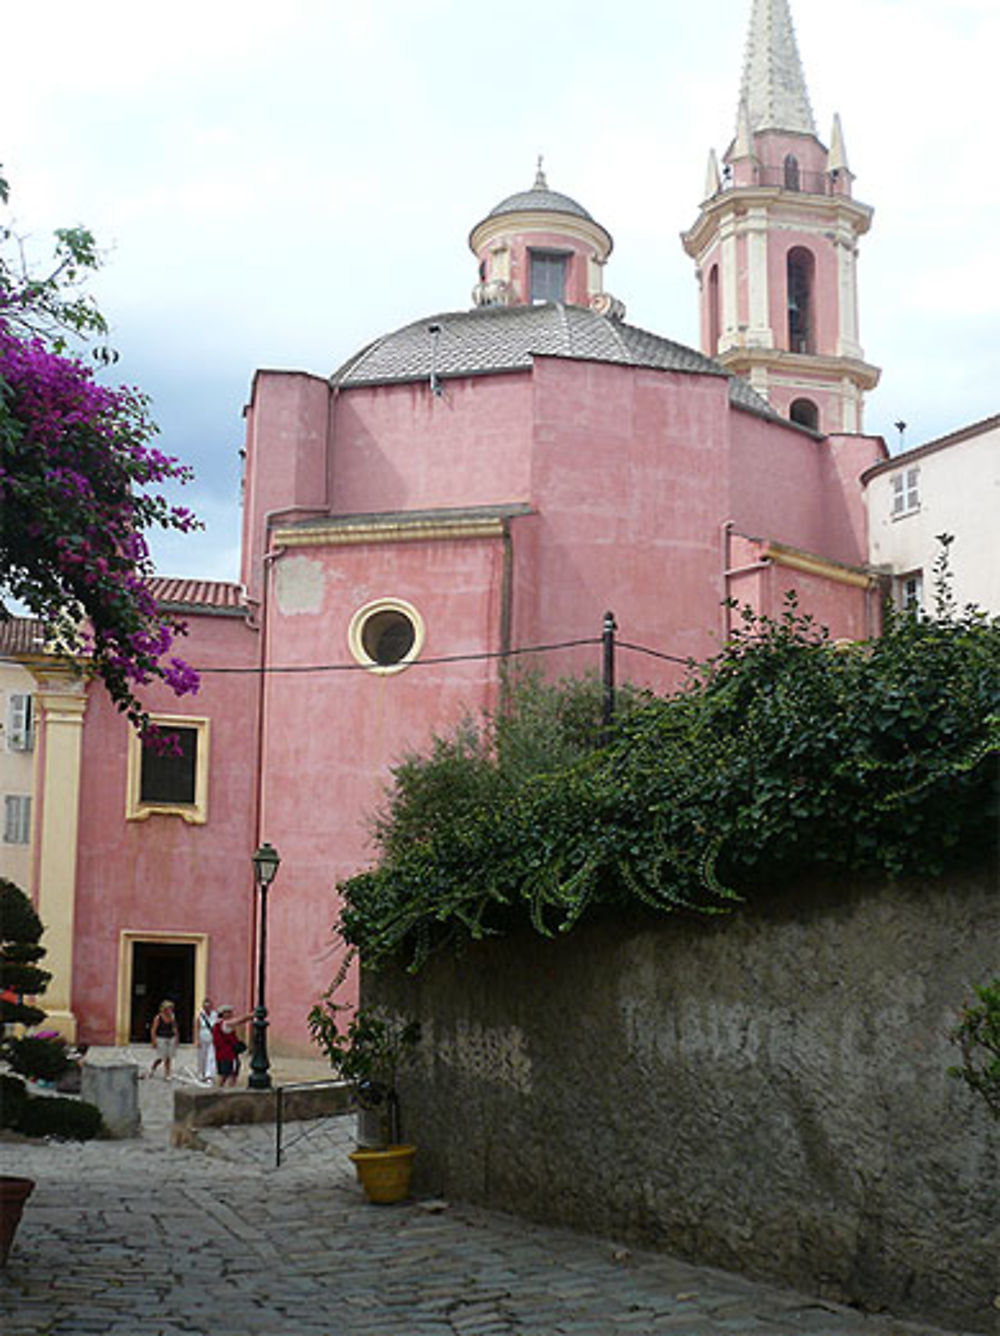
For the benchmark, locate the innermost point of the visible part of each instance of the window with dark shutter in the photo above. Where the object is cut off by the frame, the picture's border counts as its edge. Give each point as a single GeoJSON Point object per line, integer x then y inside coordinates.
{"type": "Point", "coordinates": [172, 776]}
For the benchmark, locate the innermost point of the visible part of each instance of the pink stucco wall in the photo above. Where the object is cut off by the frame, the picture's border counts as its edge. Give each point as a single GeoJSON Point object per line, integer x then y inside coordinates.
{"type": "Point", "coordinates": [287, 425]}
{"type": "Point", "coordinates": [791, 487]}
{"type": "Point", "coordinates": [630, 481]}
{"type": "Point", "coordinates": [396, 447]}
{"type": "Point", "coordinates": [161, 874]}
{"type": "Point", "coordinates": [332, 737]}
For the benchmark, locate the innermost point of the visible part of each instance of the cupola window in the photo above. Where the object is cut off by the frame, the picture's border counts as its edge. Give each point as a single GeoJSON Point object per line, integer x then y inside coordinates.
{"type": "Point", "coordinates": [800, 271]}
{"type": "Point", "coordinates": [792, 178]}
{"type": "Point", "coordinates": [548, 276]}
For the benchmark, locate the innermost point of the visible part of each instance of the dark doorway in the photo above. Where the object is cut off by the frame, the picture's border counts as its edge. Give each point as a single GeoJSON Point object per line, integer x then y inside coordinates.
{"type": "Point", "coordinates": [161, 970]}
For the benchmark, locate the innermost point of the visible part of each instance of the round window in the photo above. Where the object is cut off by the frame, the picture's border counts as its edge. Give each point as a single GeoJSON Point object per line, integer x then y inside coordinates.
{"type": "Point", "coordinates": [386, 635]}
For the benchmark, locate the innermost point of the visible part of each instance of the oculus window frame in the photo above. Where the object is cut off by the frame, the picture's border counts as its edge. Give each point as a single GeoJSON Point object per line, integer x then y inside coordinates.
{"type": "Point", "coordinates": [386, 635]}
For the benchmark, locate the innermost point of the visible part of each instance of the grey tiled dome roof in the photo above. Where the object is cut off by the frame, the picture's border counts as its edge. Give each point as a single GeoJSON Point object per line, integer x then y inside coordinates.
{"type": "Point", "coordinates": [493, 339]}
{"type": "Point", "coordinates": [540, 199]}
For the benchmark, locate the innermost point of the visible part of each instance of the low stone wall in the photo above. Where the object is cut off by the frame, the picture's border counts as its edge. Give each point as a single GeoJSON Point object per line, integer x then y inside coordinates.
{"type": "Point", "coordinates": [225, 1108]}
{"type": "Point", "coordinates": [765, 1092]}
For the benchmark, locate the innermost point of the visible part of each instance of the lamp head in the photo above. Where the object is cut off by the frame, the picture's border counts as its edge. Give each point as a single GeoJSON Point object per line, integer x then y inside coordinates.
{"type": "Point", "coordinates": [265, 864]}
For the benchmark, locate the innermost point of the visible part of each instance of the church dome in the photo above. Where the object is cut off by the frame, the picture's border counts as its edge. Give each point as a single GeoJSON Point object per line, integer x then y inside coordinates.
{"type": "Point", "coordinates": [497, 339]}
{"type": "Point", "coordinates": [539, 199]}
{"type": "Point", "coordinates": [539, 245]}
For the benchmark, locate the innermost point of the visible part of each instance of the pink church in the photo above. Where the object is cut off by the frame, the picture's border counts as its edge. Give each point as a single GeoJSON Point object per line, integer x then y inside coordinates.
{"type": "Point", "coordinates": [477, 484]}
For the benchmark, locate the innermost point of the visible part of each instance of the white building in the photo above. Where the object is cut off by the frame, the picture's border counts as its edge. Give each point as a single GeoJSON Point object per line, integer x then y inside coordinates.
{"type": "Point", "coordinates": [948, 486]}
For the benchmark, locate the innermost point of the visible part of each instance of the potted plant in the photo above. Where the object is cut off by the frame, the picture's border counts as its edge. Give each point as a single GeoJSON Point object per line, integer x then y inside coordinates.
{"type": "Point", "coordinates": [368, 1051]}
{"type": "Point", "coordinates": [41, 1056]}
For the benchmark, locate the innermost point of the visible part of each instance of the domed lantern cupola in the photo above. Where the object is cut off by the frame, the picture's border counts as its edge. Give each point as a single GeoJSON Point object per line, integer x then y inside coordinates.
{"type": "Point", "coordinates": [541, 246]}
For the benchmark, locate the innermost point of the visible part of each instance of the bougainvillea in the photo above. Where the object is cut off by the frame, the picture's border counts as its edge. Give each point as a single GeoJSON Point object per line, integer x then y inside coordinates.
{"type": "Point", "coordinates": [76, 469]}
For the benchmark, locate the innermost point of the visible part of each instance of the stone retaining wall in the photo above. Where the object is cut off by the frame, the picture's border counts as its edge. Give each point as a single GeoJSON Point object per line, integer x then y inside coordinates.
{"type": "Point", "coordinates": [226, 1108]}
{"type": "Point", "coordinates": [764, 1092]}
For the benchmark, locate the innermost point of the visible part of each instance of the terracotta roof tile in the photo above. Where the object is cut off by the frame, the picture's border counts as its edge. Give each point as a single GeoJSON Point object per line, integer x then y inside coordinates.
{"type": "Point", "coordinates": [214, 595]}
{"type": "Point", "coordinates": [21, 635]}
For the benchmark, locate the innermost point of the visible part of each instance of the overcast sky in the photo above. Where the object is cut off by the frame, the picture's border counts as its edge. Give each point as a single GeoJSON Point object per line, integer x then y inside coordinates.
{"type": "Point", "coordinates": [278, 183]}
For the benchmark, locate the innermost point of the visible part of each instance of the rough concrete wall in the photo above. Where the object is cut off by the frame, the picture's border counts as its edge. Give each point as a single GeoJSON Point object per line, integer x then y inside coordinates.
{"type": "Point", "coordinates": [765, 1092]}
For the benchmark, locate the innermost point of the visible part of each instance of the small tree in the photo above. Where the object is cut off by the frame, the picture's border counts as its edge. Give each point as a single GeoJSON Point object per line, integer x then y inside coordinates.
{"type": "Point", "coordinates": [367, 1049]}
{"type": "Point", "coordinates": [978, 1036]}
{"type": "Point", "coordinates": [76, 463]}
{"type": "Point", "coordinates": [34, 1056]}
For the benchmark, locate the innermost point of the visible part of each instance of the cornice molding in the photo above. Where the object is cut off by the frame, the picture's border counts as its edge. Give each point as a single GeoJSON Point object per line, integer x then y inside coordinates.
{"type": "Point", "coordinates": [810, 564]}
{"type": "Point", "coordinates": [800, 365]}
{"type": "Point", "coordinates": [531, 220]}
{"type": "Point", "coordinates": [395, 530]}
{"type": "Point", "coordinates": [740, 199]}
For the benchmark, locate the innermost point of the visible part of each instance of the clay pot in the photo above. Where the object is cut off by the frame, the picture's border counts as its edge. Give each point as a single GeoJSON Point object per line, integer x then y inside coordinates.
{"type": "Point", "coordinates": [385, 1174]}
{"type": "Point", "coordinates": [14, 1192]}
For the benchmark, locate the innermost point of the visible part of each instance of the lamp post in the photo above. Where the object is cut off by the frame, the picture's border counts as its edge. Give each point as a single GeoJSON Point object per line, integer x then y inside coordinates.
{"type": "Point", "coordinates": [265, 867]}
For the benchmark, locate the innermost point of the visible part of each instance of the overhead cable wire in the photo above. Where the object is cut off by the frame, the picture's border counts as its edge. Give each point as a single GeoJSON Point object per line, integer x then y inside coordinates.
{"type": "Point", "coordinates": [287, 669]}
{"type": "Point", "coordinates": [409, 663]}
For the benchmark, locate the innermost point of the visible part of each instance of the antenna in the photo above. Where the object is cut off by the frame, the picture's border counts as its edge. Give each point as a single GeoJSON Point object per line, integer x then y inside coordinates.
{"type": "Point", "coordinates": [436, 387]}
{"type": "Point", "coordinates": [900, 427]}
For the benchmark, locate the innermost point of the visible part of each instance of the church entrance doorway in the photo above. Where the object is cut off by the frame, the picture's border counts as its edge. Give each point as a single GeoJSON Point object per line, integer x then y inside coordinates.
{"type": "Point", "coordinates": [154, 966]}
{"type": "Point", "coordinates": [161, 970]}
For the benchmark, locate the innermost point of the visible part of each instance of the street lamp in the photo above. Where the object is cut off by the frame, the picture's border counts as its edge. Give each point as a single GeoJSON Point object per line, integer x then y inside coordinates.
{"type": "Point", "coordinates": [265, 867]}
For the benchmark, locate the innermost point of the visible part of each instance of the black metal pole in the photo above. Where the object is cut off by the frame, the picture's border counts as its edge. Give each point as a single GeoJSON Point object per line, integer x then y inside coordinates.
{"type": "Point", "coordinates": [260, 1076]}
{"type": "Point", "coordinates": [608, 638]}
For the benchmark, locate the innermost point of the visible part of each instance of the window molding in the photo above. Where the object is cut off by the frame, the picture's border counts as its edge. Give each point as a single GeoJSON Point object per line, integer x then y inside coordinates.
{"type": "Point", "coordinates": [548, 275]}
{"type": "Point", "coordinates": [139, 809]}
{"type": "Point", "coordinates": [127, 937]}
{"type": "Point", "coordinates": [361, 621]}
{"type": "Point", "coordinates": [905, 492]}
{"type": "Point", "coordinates": [17, 818]}
{"type": "Point", "coordinates": [909, 592]}
{"type": "Point", "coordinates": [20, 721]}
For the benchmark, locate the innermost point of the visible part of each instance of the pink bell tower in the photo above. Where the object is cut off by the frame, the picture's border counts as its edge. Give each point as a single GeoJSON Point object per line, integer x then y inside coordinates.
{"type": "Point", "coordinates": [776, 245]}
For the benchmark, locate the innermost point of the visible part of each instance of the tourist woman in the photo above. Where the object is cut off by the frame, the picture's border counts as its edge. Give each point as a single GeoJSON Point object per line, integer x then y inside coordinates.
{"type": "Point", "coordinates": [228, 1044]}
{"type": "Point", "coordinates": [163, 1033]}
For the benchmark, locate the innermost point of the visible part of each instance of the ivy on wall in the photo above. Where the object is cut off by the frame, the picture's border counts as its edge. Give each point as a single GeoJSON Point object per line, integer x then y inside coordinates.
{"type": "Point", "coordinates": [787, 751]}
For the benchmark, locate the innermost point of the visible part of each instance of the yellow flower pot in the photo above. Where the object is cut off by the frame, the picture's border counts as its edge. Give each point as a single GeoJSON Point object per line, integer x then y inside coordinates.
{"type": "Point", "coordinates": [385, 1174]}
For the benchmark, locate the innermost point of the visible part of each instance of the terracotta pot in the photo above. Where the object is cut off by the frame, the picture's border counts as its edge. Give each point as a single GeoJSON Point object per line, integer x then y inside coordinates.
{"type": "Point", "coordinates": [14, 1192]}
{"type": "Point", "coordinates": [385, 1174]}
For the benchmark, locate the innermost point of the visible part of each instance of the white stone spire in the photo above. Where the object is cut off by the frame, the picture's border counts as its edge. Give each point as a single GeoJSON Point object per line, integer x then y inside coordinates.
{"type": "Point", "coordinates": [713, 180]}
{"type": "Point", "coordinates": [774, 86]}
{"type": "Point", "coordinates": [838, 154]}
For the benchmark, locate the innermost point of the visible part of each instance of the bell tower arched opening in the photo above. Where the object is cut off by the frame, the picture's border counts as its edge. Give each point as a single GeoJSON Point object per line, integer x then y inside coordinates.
{"type": "Point", "coordinates": [805, 413]}
{"type": "Point", "coordinates": [800, 288]}
{"type": "Point", "coordinates": [714, 321]}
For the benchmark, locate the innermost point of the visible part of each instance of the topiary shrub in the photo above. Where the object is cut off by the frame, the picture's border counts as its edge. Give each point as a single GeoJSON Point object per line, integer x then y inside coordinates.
{"type": "Point", "coordinates": [59, 1116]}
{"type": "Point", "coordinates": [13, 1098]}
{"type": "Point", "coordinates": [42, 1057]}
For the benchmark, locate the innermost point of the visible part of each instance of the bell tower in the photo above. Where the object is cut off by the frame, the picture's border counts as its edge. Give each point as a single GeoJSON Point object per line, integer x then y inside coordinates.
{"type": "Point", "coordinates": [776, 244]}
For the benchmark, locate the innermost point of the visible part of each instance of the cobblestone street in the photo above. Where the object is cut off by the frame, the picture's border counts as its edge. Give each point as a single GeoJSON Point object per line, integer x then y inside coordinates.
{"type": "Point", "coordinates": [133, 1238]}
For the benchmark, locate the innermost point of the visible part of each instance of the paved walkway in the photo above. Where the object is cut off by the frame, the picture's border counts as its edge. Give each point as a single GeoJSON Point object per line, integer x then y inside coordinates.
{"type": "Point", "coordinates": [133, 1238]}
